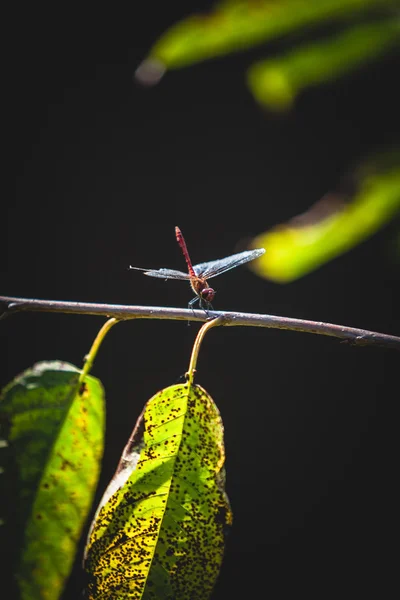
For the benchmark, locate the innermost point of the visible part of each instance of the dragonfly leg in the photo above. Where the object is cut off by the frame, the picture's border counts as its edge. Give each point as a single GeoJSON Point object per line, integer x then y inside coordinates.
{"type": "Point", "coordinates": [206, 306]}
{"type": "Point", "coordinates": [192, 303]}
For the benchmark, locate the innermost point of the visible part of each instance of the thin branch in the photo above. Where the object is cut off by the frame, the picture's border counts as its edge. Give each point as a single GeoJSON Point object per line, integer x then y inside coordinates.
{"type": "Point", "coordinates": [359, 337]}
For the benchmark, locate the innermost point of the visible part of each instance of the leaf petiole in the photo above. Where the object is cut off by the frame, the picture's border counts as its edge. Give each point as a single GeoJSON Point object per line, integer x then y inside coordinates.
{"type": "Point", "coordinates": [196, 346]}
{"type": "Point", "coordinates": [89, 358]}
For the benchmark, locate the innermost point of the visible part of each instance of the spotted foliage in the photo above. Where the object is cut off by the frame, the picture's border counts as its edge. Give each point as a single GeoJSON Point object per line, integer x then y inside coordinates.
{"type": "Point", "coordinates": [160, 527]}
{"type": "Point", "coordinates": [53, 430]}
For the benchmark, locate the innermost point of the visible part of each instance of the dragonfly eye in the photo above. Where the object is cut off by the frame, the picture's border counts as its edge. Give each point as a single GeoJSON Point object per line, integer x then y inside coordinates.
{"type": "Point", "coordinates": [208, 294]}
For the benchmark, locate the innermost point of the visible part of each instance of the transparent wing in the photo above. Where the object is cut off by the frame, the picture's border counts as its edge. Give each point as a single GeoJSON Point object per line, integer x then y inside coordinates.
{"type": "Point", "coordinates": [163, 273]}
{"type": "Point", "coordinates": [216, 267]}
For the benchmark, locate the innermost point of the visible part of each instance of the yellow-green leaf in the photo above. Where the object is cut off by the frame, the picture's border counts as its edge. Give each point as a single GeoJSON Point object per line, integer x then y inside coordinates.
{"type": "Point", "coordinates": [159, 530]}
{"type": "Point", "coordinates": [275, 83]}
{"type": "Point", "coordinates": [237, 24]}
{"type": "Point", "coordinates": [300, 246]}
{"type": "Point", "coordinates": [53, 430]}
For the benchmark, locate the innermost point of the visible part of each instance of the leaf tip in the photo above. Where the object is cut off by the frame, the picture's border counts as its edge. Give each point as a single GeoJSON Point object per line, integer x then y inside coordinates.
{"type": "Point", "coordinates": [149, 72]}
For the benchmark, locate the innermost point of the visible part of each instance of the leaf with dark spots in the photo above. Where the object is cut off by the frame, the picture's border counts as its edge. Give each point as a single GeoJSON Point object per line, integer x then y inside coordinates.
{"type": "Point", "coordinates": [159, 530]}
{"type": "Point", "coordinates": [54, 432]}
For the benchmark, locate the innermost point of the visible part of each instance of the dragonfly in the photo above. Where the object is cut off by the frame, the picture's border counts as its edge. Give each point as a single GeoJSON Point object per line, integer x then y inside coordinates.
{"type": "Point", "coordinates": [197, 275]}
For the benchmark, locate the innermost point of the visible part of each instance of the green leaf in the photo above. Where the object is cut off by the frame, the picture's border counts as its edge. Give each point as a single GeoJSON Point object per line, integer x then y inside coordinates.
{"type": "Point", "coordinates": [54, 428]}
{"type": "Point", "coordinates": [275, 83]}
{"type": "Point", "coordinates": [238, 24]}
{"type": "Point", "coordinates": [159, 530]}
{"type": "Point", "coordinates": [332, 226]}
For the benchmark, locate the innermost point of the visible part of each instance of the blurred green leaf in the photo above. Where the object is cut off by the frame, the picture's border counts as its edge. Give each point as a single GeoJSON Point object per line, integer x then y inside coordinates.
{"type": "Point", "coordinates": [275, 83]}
{"type": "Point", "coordinates": [159, 530]}
{"type": "Point", "coordinates": [330, 227]}
{"type": "Point", "coordinates": [54, 430]}
{"type": "Point", "coordinates": [238, 24]}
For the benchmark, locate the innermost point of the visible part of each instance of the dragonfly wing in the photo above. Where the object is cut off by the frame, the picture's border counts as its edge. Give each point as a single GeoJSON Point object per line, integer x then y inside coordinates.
{"type": "Point", "coordinates": [166, 274]}
{"type": "Point", "coordinates": [216, 267]}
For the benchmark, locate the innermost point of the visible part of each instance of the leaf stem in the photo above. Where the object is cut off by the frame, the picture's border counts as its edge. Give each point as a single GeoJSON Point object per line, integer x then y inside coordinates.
{"type": "Point", "coordinates": [358, 337]}
{"type": "Point", "coordinates": [89, 358]}
{"type": "Point", "coordinates": [196, 347]}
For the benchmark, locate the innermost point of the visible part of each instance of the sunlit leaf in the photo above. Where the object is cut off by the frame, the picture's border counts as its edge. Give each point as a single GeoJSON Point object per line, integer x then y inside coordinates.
{"type": "Point", "coordinates": [236, 25]}
{"type": "Point", "coordinates": [329, 228]}
{"type": "Point", "coordinates": [54, 430]}
{"type": "Point", "coordinates": [159, 530]}
{"type": "Point", "coordinates": [275, 83]}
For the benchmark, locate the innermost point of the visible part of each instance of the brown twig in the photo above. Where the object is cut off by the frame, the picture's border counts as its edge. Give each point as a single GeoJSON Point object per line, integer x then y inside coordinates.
{"type": "Point", "coordinates": [359, 337]}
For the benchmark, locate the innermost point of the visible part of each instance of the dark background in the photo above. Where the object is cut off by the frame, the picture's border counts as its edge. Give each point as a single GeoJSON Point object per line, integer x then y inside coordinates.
{"type": "Point", "coordinates": [104, 171]}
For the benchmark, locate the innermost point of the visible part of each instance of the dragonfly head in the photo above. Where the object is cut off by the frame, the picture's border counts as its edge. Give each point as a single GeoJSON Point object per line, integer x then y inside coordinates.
{"type": "Point", "coordinates": [207, 294]}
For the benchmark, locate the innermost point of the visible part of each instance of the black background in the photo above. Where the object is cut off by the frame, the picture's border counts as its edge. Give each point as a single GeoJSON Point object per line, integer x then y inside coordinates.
{"type": "Point", "coordinates": [104, 171]}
